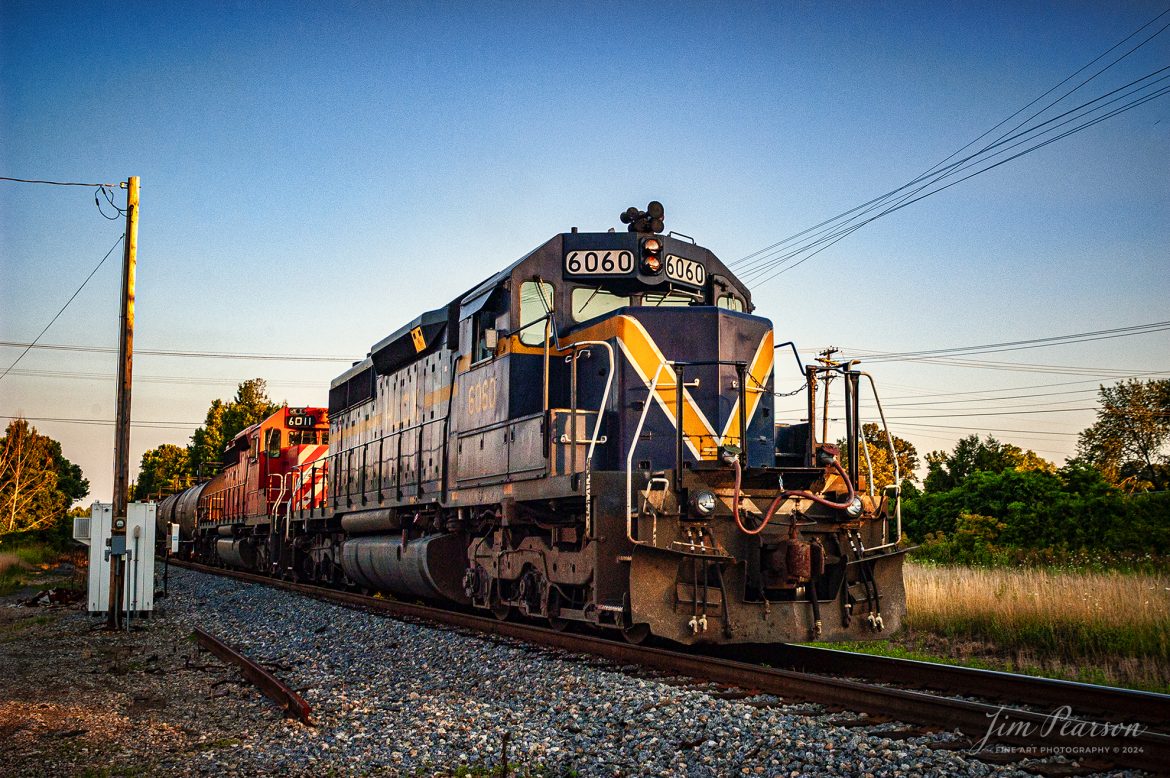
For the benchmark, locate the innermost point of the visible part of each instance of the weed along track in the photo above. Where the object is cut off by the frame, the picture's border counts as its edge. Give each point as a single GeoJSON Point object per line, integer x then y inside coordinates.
{"type": "Point", "coordinates": [1002, 718]}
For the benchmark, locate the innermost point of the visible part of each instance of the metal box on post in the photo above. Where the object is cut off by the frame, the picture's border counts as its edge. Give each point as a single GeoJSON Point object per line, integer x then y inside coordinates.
{"type": "Point", "coordinates": [139, 588]}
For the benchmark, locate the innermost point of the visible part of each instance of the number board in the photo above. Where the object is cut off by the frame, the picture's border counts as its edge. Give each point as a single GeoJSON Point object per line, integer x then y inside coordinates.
{"type": "Point", "coordinates": [301, 418]}
{"type": "Point", "coordinates": [601, 262]}
{"type": "Point", "coordinates": [688, 271]}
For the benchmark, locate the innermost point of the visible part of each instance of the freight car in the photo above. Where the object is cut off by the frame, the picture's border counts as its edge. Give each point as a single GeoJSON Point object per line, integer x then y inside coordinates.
{"type": "Point", "coordinates": [588, 436]}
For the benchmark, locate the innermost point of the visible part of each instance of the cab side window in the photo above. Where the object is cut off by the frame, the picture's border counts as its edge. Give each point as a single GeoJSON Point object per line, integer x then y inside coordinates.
{"type": "Point", "coordinates": [730, 302]}
{"type": "Point", "coordinates": [483, 326]}
{"type": "Point", "coordinates": [534, 310]}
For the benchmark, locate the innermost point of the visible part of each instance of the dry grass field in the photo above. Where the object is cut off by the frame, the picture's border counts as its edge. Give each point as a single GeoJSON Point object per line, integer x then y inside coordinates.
{"type": "Point", "coordinates": [1099, 627]}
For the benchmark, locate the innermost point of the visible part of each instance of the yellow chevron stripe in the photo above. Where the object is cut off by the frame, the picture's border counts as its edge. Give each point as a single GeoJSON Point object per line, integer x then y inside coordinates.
{"type": "Point", "coordinates": [645, 356]}
{"type": "Point", "coordinates": [757, 380]}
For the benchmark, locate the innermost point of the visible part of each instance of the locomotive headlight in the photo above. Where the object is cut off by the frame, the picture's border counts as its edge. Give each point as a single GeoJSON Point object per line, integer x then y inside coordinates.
{"type": "Point", "coordinates": [854, 509]}
{"type": "Point", "coordinates": [702, 502]}
{"type": "Point", "coordinates": [651, 256]}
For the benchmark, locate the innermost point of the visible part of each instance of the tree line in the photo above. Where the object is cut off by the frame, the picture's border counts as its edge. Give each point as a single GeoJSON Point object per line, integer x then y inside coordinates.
{"type": "Point", "coordinates": [979, 501]}
{"type": "Point", "coordinates": [37, 482]}
{"type": "Point", "coordinates": [987, 501]}
{"type": "Point", "coordinates": [170, 468]}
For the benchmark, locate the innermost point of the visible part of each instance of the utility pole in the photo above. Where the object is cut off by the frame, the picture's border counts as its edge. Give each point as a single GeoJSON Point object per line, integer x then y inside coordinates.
{"type": "Point", "coordinates": [826, 359]}
{"type": "Point", "coordinates": [122, 420]}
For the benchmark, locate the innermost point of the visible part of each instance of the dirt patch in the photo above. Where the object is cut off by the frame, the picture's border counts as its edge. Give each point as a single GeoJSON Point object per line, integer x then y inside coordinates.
{"type": "Point", "coordinates": [78, 700]}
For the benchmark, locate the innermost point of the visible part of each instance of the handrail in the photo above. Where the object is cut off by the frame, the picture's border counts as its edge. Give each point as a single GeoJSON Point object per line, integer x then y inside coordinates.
{"type": "Point", "coordinates": [868, 464]}
{"type": "Point", "coordinates": [280, 496]}
{"type": "Point", "coordinates": [630, 456]}
{"type": "Point", "coordinates": [593, 438]}
{"type": "Point", "coordinates": [897, 470]}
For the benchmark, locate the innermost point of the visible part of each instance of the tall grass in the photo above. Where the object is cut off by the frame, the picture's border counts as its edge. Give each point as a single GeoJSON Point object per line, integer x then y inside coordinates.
{"type": "Point", "coordinates": [18, 561]}
{"type": "Point", "coordinates": [1111, 627]}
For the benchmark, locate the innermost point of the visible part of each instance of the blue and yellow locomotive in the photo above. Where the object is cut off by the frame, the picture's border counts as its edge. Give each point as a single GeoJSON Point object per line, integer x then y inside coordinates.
{"type": "Point", "coordinates": [589, 435]}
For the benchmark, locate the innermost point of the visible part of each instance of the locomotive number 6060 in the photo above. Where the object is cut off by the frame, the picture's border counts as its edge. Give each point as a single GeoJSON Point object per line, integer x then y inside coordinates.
{"type": "Point", "coordinates": [599, 262]}
{"type": "Point", "coordinates": [686, 270]}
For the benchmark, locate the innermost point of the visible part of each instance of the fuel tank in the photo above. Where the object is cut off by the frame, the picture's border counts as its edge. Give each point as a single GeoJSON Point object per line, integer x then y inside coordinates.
{"type": "Point", "coordinates": [430, 568]}
{"type": "Point", "coordinates": [236, 553]}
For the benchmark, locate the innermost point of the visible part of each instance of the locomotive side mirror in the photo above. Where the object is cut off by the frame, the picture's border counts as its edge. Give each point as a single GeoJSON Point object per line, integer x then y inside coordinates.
{"type": "Point", "coordinates": [491, 338]}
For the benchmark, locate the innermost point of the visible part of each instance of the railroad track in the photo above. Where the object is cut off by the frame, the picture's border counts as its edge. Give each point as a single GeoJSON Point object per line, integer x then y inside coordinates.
{"type": "Point", "coordinates": [1015, 718]}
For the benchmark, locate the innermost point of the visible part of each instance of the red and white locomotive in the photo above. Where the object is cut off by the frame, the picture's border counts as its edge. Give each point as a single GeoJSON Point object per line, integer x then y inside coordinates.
{"type": "Point", "coordinates": [270, 470]}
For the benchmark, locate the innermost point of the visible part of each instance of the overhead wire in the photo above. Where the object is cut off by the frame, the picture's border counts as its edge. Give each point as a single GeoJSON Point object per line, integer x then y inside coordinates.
{"type": "Point", "coordinates": [764, 264]}
{"type": "Point", "coordinates": [1014, 345]}
{"type": "Point", "coordinates": [777, 267]}
{"type": "Point", "coordinates": [52, 183]}
{"type": "Point", "coordinates": [181, 353]}
{"type": "Point", "coordinates": [958, 151]}
{"type": "Point", "coordinates": [110, 422]}
{"type": "Point", "coordinates": [72, 297]}
{"type": "Point", "coordinates": [161, 379]}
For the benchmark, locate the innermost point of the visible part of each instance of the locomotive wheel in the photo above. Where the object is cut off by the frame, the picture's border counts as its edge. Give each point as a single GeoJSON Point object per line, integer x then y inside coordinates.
{"type": "Point", "coordinates": [636, 634]}
{"type": "Point", "coordinates": [560, 625]}
{"type": "Point", "coordinates": [502, 612]}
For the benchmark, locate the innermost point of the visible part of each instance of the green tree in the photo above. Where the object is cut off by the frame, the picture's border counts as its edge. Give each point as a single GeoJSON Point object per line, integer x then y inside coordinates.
{"type": "Point", "coordinates": [224, 421]}
{"type": "Point", "coordinates": [880, 459]}
{"type": "Point", "coordinates": [1130, 440]}
{"type": "Point", "coordinates": [164, 470]}
{"type": "Point", "coordinates": [973, 455]}
{"type": "Point", "coordinates": [37, 483]}
{"type": "Point", "coordinates": [251, 405]}
{"type": "Point", "coordinates": [207, 443]}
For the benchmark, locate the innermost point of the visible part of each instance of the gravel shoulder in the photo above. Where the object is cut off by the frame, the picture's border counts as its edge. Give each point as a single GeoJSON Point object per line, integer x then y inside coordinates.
{"type": "Point", "coordinates": [389, 698]}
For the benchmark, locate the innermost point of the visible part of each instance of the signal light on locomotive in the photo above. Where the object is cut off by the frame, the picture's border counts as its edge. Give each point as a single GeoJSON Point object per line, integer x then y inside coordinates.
{"type": "Point", "coordinates": [651, 256]}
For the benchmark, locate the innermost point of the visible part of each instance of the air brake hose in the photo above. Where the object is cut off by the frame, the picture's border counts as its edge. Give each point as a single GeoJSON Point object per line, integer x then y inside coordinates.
{"type": "Point", "coordinates": [786, 494]}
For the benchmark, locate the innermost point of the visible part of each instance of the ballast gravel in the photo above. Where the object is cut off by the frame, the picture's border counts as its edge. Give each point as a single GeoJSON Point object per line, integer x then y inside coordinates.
{"type": "Point", "coordinates": [391, 697]}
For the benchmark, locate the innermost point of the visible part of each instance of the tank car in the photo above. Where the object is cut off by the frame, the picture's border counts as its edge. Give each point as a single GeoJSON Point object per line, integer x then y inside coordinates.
{"type": "Point", "coordinates": [589, 435]}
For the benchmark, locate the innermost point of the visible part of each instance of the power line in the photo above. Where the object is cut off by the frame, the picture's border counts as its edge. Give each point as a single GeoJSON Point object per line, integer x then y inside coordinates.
{"type": "Point", "coordinates": [178, 353]}
{"type": "Point", "coordinates": [1014, 345]}
{"type": "Point", "coordinates": [985, 399]}
{"type": "Point", "coordinates": [160, 379]}
{"type": "Point", "coordinates": [52, 183]}
{"type": "Point", "coordinates": [878, 200]}
{"type": "Point", "coordinates": [934, 405]}
{"type": "Point", "coordinates": [111, 422]}
{"type": "Point", "coordinates": [1000, 413]}
{"type": "Point", "coordinates": [761, 262]}
{"type": "Point", "coordinates": [935, 393]}
{"type": "Point", "coordinates": [773, 268]}
{"type": "Point", "coordinates": [991, 429]}
{"type": "Point", "coordinates": [63, 307]}
{"type": "Point", "coordinates": [776, 268]}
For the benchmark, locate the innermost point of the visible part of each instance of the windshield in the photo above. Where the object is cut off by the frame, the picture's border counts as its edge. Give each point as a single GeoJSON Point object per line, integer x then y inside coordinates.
{"type": "Point", "coordinates": [588, 303]}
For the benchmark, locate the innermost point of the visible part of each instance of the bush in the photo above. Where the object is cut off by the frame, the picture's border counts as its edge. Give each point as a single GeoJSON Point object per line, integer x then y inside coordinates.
{"type": "Point", "coordinates": [997, 515]}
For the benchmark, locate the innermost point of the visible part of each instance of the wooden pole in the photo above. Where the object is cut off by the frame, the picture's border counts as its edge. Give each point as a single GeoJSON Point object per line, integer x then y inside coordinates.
{"type": "Point", "coordinates": [122, 410]}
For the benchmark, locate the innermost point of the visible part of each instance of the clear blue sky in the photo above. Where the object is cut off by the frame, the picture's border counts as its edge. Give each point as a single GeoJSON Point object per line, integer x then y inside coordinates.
{"type": "Point", "coordinates": [313, 175]}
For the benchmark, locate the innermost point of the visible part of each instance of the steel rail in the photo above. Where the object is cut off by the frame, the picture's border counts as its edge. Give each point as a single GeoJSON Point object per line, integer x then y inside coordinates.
{"type": "Point", "coordinates": [293, 704]}
{"type": "Point", "coordinates": [1124, 744]}
{"type": "Point", "coordinates": [1147, 707]}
